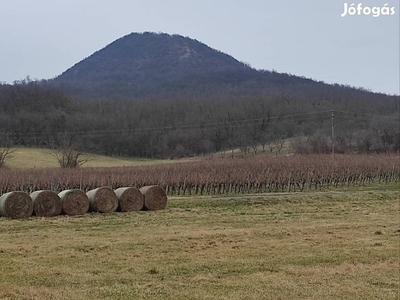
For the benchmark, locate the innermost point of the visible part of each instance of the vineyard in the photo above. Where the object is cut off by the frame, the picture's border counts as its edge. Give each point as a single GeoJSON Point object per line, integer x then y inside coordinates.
{"type": "Point", "coordinates": [257, 174]}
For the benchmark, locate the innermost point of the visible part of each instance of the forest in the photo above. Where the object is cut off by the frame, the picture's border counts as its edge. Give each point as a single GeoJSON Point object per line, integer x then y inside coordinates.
{"type": "Point", "coordinates": [35, 115]}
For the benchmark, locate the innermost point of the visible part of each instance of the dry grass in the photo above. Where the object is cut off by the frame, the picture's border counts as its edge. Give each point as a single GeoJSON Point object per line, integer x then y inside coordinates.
{"type": "Point", "coordinates": [26, 158]}
{"type": "Point", "coordinates": [323, 246]}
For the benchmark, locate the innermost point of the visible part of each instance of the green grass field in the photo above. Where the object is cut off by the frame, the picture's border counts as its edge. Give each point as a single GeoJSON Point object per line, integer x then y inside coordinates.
{"type": "Point", "coordinates": [296, 246]}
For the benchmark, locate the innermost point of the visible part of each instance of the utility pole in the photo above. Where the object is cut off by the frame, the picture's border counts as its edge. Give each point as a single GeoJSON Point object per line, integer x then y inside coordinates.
{"type": "Point", "coordinates": [333, 135]}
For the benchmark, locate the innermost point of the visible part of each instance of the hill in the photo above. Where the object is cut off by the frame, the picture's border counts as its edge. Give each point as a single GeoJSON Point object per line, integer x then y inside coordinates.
{"type": "Point", "coordinates": [162, 96]}
{"type": "Point", "coordinates": [149, 63]}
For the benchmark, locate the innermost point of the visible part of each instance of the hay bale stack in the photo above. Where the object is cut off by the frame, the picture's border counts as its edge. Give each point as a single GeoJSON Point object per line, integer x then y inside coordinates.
{"type": "Point", "coordinates": [74, 202]}
{"type": "Point", "coordinates": [155, 197]}
{"type": "Point", "coordinates": [102, 199]}
{"type": "Point", "coordinates": [16, 205]}
{"type": "Point", "coordinates": [46, 203]}
{"type": "Point", "coordinates": [129, 199]}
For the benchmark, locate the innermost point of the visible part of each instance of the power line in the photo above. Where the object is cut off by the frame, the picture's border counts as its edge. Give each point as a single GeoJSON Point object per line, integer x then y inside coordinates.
{"type": "Point", "coordinates": [189, 126]}
{"type": "Point", "coordinates": [192, 126]}
{"type": "Point", "coordinates": [364, 114]}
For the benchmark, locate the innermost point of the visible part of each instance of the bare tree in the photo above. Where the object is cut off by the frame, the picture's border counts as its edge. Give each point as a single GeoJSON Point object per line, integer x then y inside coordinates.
{"type": "Point", "coordinates": [5, 148]}
{"type": "Point", "coordinates": [70, 158]}
{"type": "Point", "coordinates": [68, 151]}
{"type": "Point", "coordinates": [254, 146]}
{"type": "Point", "coordinates": [5, 154]}
{"type": "Point", "coordinates": [271, 145]}
{"type": "Point", "coordinates": [279, 144]}
{"type": "Point", "coordinates": [264, 138]}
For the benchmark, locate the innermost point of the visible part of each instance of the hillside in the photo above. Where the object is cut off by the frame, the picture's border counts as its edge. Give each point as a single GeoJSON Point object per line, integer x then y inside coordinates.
{"type": "Point", "coordinates": [166, 96]}
{"type": "Point", "coordinates": [149, 63]}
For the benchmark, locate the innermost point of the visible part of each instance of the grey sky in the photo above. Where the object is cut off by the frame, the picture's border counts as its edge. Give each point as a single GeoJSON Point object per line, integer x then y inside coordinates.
{"type": "Point", "coordinates": [43, 38]}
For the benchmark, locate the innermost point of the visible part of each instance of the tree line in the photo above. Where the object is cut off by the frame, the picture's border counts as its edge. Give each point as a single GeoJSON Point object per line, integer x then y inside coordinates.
{"type": "Point", "coordinates": [34, 115]}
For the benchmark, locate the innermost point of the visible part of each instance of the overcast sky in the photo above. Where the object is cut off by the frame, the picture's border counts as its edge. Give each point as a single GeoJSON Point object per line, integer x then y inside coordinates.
{"type": "Point", "coordinates": [43, 38]}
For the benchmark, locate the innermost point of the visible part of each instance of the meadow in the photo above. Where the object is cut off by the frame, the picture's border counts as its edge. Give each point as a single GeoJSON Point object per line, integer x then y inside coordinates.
{"type": "Point", "coordinates": [32, 158]}
{"type": "Point", "coordinates": [316, 245]}
{"type": "Point", "coordinates": [295, 227]}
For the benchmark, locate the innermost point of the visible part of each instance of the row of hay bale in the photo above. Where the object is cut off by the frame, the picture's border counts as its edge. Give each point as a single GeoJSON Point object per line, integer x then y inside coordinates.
{"type": "Point", "coordinates": [46, 203]}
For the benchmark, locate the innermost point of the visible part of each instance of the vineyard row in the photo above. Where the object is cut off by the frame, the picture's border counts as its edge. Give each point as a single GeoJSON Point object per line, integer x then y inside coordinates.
{"type": "Point", "coordinates": [257, 174]}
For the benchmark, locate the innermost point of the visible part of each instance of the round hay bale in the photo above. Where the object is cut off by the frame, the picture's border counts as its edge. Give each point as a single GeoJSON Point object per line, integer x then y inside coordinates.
{"type": "Point", "coordinates": [46, 203]}
{"type": "Point", "coordinates": [74, 202]}
{"type": "Point", "coordinates": [102, 199]}
{"type": "Point", "coordinates": [16, 205]}
{"type": "Point", "coordinates": [129, 199]}
{"type": "Point", "coordinates": [155, 197]}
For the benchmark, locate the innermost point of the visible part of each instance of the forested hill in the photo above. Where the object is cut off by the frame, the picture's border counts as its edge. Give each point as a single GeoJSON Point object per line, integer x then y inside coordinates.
{"type": "Point", "coordinates": [33, 115]}
{"type": "Point", "coordinates": [139, 65]}
{"type": "Point", "coordinates": [153, 65]}
{"type": "Point", "coordinates": [160, 95]}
